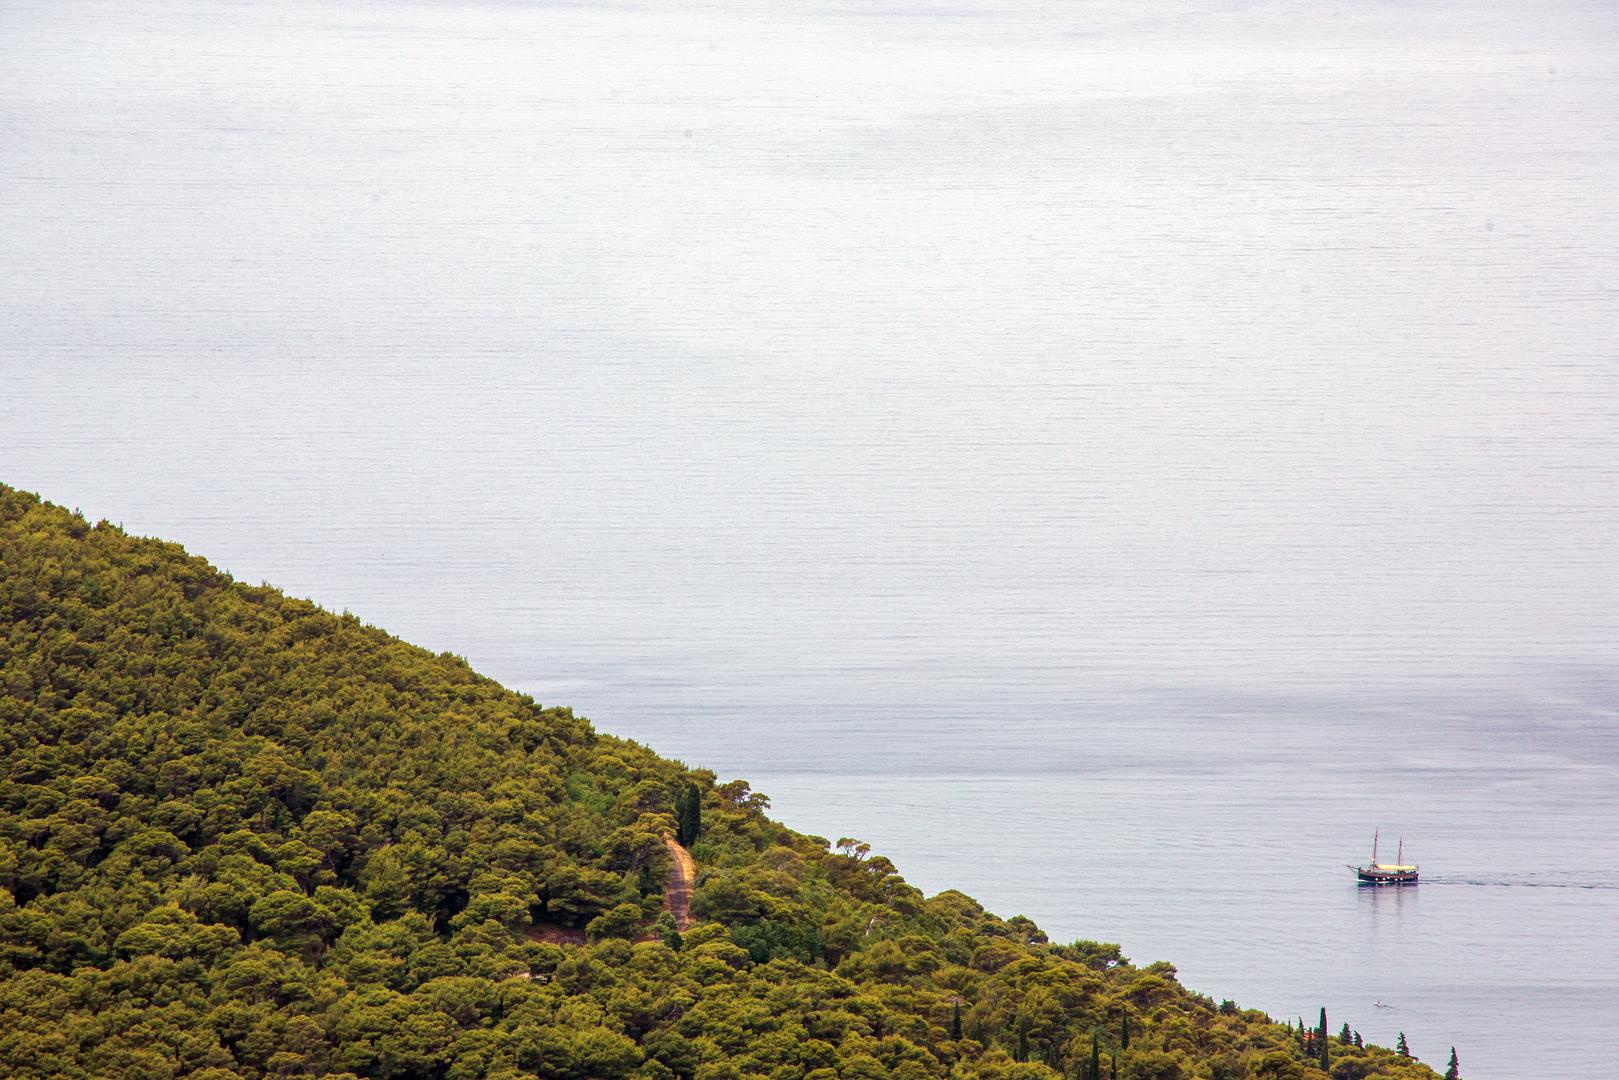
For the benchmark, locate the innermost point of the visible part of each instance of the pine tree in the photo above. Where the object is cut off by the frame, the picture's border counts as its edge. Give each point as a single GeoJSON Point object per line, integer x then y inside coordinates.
{"type": "Point", "coordinates": [1401, 1048]}
{"type": "Point", "coordinates": [1358, 1043]}
{"type": "Point", "coordinates": [1323, 1039]}
{"type": "Point", "coordinates": [1453, 1071]}
{"type": "Point", "coordinates": [1344, 1035]}
{"type": "Point", "coordinates": [955, 1023]}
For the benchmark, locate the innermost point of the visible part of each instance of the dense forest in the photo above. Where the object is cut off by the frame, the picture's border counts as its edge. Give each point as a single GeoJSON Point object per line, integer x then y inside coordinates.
{"type": "Point", "coordinates": [244, 837]}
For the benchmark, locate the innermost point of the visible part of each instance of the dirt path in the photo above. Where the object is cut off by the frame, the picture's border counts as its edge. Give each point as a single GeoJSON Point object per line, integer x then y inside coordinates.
{"type": "Point", "coordinates": [676, 901]}
{"type": "Point", "coordinates": [677, 893]}
{"type": "Point", "coordinates": [556, 935]}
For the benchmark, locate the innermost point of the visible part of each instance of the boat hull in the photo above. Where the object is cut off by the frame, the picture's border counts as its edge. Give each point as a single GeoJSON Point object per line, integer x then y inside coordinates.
{"type": "Point", "coordinates": [1384, 877]}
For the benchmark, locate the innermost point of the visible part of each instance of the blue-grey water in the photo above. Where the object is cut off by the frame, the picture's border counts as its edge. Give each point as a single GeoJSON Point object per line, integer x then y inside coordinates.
{"type": "Point", "coordinates": [1110, 457]}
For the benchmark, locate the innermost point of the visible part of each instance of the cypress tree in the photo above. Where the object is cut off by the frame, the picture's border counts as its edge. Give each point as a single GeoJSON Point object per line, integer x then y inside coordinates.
{"type": "Point", "coordinates": [1096, 1057]}
{"type": "Point", "coordinates": [1323, 1039]}
{"type": "Point", "coordinates": [688, 814]}
{"type": "Point", "coordinates": [1022, 1043]}
{"type": "Point", "coordinates": [1113, 1069]}
{"type": "Point", "coordinates": [955, 1023]}
{"type": "Point", "coordinates": [1401, 1048]}
{"type": "Point", "coordinates": [1124, 1032]}
{"type": "Point", "coordinates": [1453, 1071]}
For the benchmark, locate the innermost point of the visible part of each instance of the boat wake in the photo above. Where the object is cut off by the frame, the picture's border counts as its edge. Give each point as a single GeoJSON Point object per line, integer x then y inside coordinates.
{"type": "Point", "coordinates": [1504, 883]}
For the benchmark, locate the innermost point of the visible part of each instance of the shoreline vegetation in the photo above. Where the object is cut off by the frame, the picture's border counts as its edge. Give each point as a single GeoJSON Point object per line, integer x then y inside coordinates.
{"type": "Point", "coordinates": [241, 836]}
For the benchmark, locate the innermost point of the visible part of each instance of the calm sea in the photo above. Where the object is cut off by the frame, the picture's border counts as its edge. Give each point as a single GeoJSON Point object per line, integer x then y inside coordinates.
{"type": "Point", "coordinates": [1109, 457]}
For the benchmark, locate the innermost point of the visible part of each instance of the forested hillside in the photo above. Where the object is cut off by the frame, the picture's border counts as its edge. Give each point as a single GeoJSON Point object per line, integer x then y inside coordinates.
{"type": "Point", "coordinates": [243, 837]}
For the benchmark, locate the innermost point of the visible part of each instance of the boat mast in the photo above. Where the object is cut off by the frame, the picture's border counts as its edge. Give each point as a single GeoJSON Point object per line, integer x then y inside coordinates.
{"type": "Point", "coordinates": [1374, 848]}
{"type": "Point", "coordinates": [1400, 857]}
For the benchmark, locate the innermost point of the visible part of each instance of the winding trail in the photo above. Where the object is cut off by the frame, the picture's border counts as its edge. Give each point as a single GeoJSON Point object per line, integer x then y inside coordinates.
{"type": "Point", "coordinates": [677, 892]}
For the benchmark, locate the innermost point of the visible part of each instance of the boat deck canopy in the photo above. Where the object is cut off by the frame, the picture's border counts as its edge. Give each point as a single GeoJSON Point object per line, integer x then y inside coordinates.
{"type": "Point", "coordinates": [1386, 866]}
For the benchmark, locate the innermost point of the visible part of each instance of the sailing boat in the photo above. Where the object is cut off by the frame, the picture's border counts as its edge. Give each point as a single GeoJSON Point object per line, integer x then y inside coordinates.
{"type": "Point", "coordinates": [1396, 873]}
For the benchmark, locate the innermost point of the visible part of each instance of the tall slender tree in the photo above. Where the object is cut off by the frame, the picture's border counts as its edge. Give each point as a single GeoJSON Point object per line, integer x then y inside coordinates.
{"type": "Point", "coordinates": [1401, 1048]}
{"type": "Point", "coordinates": [1344, 1034]}
{"type": "Point", "coordinates": [1096, 1057]}
{"type": "Point", "coordinates": [1453, 1071]}
{"type": "Point", "coordinates": [1322, 1039]}
{"type": "Point", "coordinates": [1124, 1032]}
{"type": "Point", "coordinates": [955, 1022]}
{"type": "Point", "coordinates": [688, 814]}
